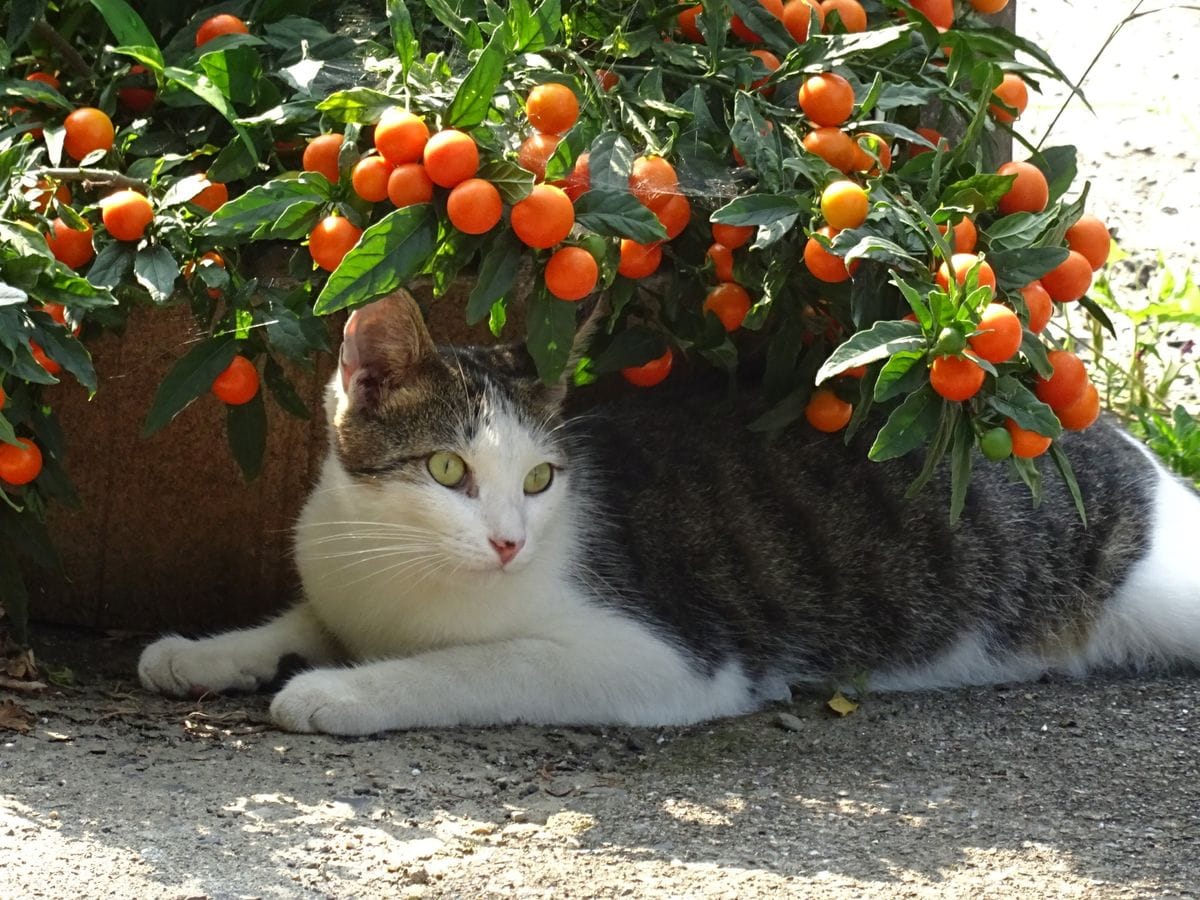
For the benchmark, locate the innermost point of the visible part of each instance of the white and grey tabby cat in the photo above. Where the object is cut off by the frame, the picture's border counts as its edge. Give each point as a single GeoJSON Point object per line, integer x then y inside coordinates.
{"type": "Point", "coordinates": [473, 555]}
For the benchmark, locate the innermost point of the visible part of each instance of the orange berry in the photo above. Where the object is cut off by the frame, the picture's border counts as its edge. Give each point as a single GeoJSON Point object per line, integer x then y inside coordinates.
{"type": "Point", "coordinates": [722, 260]}
{"type": "Point", "coordinates": [400, 136]}
{"type": "Point", "coordinates": [851, 12]}
{"type": "Point", "coordinates": [963, 264]}
{"type": "Point", "coordinates": [211, 257]}
{"type": "Point", "coordinates": [844, 205]}
{"type": "Point", "coordinates": [85, 130]}
{"type": "Point", "coordinates": [687, 24]}
{"type": "Point", "coordinates": [238, 383]}
{"type": "Point", "coordinates": [1083, 412]}
{"type": "Point", "coordinates": [579, 182]}
{"type": "Point", "coordinates": [988, 7]}
{"type": "Point", "coordinates": [934, 137]}
{"type": "Point", "coordinates": [213, 197]}
{"type": "Point", "coordinates": [956, 377]}
{"type": "Point", "coordinates": [1040, 307]}
{"type": "Point", "coordinates": [321, 156]}
{"type": "Point", "coordinates": [70, 247]}
{"type": "Point", "coordinates": [1013, 92]}
{"type": "Point", "coordinates": [674, 215]}
{"type": "Point", "coordinates": [536, 151]}
{"type": "Point", "coordinates": [1029, 192]}
{"type": "Point", "coordinates": [653, 180]}
{"type": "Point", "coordinates": [552, 108]}
{"type": "Point", "coordinates": [126, 214]}
{"type": "Point", "coordinates": [639, 260]}
{"type": "Point", "coordinates": [1001, 334]}
{"type": "Point", "coordinates": [1066, 384]}
{"type": "Point", "coordinates": [729, 302]}
{"type": "Point", "coordinates": [965, 235]}
{"type": "Point", "coordinates": [139, 92]}
{"type": "Point", "coordinates": [827, 99]}
{"type": "Point", "coordinates": [939, 12]}
{"type": "Point", "coordinates": [834, 146]}
{"type": "Point", "coordinates": [40, 197]}
{"type": "Point", "coordinates": [827, 412]}
{"type": "Point", "coordinates": [771, 62]}
{"type": "Point", "coordinates": [331, 240]}
{"type": "Point", "coordinates": [369, 178]}
{"type": "Point", "coordinates": [608, 79]}
{"type": "Point", "coordinates": [571, 273]}
{"type": "Point", "coordinates": [451, 156]}
{"type": "Point", "coordinates": [45, 78]}
{"type": "Point", "coordinates": [732, 236]}
{"type": "Point", "coordinates": [1070, 279]}
{"type": "Point", "coordinates": [408, 184]}
{"type": "Point", "coordinates": [474, 206]}
{"type": "Point", "coordinates": [796, 17]}
{"type": "Point", "coordinates": [1026, 444]}
{"type": "Point", "coordinates": [1090, 237]}
{"type": "Point", "coordinates": [864, 161]}
{"type": "Point", "coordinates": [219, 25]}
{"type": "Point", "coordinates": [543, 218]}
{"type": "Point", "coordinates": [651, 373]}
{"type": "Point", "coordinates": [20, 465]}
{"type": "Point", "coordinates": [824, 265]}
{"type": "Point", "coordinates": [43, 359]}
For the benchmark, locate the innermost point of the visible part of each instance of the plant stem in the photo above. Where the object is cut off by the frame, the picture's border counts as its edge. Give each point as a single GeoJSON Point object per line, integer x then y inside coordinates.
{"type": "Point", "coordinates": [69, 54]}
{"type": "Point", "coordinates": [102, 177]}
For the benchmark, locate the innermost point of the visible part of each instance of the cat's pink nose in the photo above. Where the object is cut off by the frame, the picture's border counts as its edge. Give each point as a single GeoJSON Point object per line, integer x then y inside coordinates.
{"type": "Point", "coordinates": [506, 550]}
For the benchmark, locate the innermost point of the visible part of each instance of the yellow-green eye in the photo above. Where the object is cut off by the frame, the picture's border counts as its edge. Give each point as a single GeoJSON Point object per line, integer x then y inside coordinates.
{"type": "Point", "coordinates": [447, 468]}
{"type": "Point", "coordinates": [539, 478]}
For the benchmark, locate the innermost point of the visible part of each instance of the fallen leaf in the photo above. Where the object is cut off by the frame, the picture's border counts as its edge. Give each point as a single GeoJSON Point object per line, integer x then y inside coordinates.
{"type": "Point", "coordinates": [14, 717]}
{"type": "Point", "coordinates": [841, 704]}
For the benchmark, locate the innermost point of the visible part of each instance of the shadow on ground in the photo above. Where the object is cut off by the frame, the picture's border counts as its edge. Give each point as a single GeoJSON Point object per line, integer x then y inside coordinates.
{"type": "Point", "coordinates": [1046, 790]}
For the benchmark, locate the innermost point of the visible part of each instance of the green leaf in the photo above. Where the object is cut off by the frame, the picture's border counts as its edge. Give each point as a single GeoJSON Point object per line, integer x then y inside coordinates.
{"type": "Point", "coordinates": [235, 72]}
{"type": "Point", "coordinates": [901, 374]}
{"type": "Point", "coordinates": [758, 209]}
{"type": "Point", "coordinates": [246, 425]}
{"type": "Point", "coordinates": [977, 193]}
{"type": "Point", "coordinates": [1068, 476]}
{"type": "Point", "coordinates": [70, 354]}
{"type": "Point", "coordinates": [203, 88]}
{"type": "Point", "coordinates": [1016, 268]}
{"type": "Point", "coordinates": [404, 39]}
{"type": "Point", "coordinates": [191, 376]}
{"type": "Point", "coordinates": [550, 334]}
{"type": "Point", "coordinates": [129, 29]}
{"type": "Point", "coordinates": [634, 346]}
{"type": "Point", "coordinates": [618, 215]}
{"type": "Point", "coordinates": [36, 91]}
{"type": "Point", "coordinates": [285, 331]}
{"type": "Point", "coordinates": [610, 162]}
{"type": "Point", "coordinates": [961, 457]}
{"type": "Point", "coordinates": [1060, 167]}
{"type": "Point", "coordinates": [473, 97]}
{"type": "Point", "coordinates": [448, 14]}
{"type": "Point", "coordinates": [283, 390]}
{"type": "Point", "coordinates": [513, 182]}
{"type": "Point", "coordinates": [497, 271]}
{"type": "Point", "coordinates": [356, 104]}
{"type": "Point", "coordinates": [884, 338]}
{"type": "Point", "coordinates": [1016, 401]}
{"type": "Point", "coordinates": [11, 296]}
{"type": "Point", "coordinates": [1097, 312]}
{"type": "Point", "coordinates": [233, 163]}
{"type": "Point", "coordinates": [156, 270]}
{"type": "Point", "coordinates": [58, 284]}
{"type": "Point", "coordinates": [253, 215]}
{"type": "Point", "coordinates": [531, 31]}
{"type": "Point", "coordinates": [388, 254]}
{"type": "Point", "coordinates": [909, 426]}
{"type": "Point", "coordinates": [1035, 351]}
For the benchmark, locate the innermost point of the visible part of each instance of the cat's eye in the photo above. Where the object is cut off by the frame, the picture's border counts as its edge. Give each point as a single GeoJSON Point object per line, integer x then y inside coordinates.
{"type": "Point", "coordinates": [447, 469]}
{"type": "Point", "coordinates": [539, 478]}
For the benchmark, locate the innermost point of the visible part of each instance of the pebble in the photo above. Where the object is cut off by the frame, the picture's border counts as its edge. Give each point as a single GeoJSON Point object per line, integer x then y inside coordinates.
{"type": "Point", "coordinates": [788, 722]}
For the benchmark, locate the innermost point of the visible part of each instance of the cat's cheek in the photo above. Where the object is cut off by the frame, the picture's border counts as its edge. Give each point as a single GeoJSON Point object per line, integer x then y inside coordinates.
{"type": "Point", "coordinates": [325, 701]}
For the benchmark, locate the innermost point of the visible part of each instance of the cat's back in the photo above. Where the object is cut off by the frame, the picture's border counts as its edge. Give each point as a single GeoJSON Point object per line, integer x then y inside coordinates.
{"type": "Point", "coordinates": [797, 547]}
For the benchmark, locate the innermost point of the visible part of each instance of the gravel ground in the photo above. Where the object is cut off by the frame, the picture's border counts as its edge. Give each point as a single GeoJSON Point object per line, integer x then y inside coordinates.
{"type": "Point", "coordinates": [1056, 789]}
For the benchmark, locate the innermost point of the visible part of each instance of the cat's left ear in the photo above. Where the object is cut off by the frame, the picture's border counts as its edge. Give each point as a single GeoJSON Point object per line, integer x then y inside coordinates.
{"type": "Point", "coordinates": [383, 342]}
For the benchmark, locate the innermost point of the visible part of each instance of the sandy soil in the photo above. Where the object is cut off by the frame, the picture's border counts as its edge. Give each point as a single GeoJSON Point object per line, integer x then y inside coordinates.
{"type": "Point", "coordinates": [1050, 790]}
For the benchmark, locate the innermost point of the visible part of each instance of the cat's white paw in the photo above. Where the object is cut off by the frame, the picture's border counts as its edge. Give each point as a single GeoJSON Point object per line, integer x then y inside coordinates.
{"type": "Point", "coordinates": [328, 701]}
{"type": "Point", "coordinates": [180, 667]}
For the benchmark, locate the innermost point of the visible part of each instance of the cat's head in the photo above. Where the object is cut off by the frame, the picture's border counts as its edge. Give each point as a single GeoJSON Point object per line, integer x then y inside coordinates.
{"type": "Point", "coordinates": [459, 448]}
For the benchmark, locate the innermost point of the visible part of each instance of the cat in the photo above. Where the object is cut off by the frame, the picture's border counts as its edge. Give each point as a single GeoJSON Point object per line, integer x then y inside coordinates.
{"type": "Point", "coordinates": [474, 554]}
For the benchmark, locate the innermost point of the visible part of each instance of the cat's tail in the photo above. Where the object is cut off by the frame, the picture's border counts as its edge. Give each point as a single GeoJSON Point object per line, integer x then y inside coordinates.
{"type": "Point", "coordinates": [1154, 618]}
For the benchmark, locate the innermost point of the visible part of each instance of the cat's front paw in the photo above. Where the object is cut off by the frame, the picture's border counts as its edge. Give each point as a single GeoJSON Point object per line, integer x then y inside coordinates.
{"type": "Point", "coordinates": [327, 701]}
{"type": "Point", "coordinates": [179, 667]}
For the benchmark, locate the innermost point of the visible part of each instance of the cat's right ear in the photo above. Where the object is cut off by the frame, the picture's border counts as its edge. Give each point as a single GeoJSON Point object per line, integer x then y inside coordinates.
{"type": "Point", "coordinates": [382, 343]}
